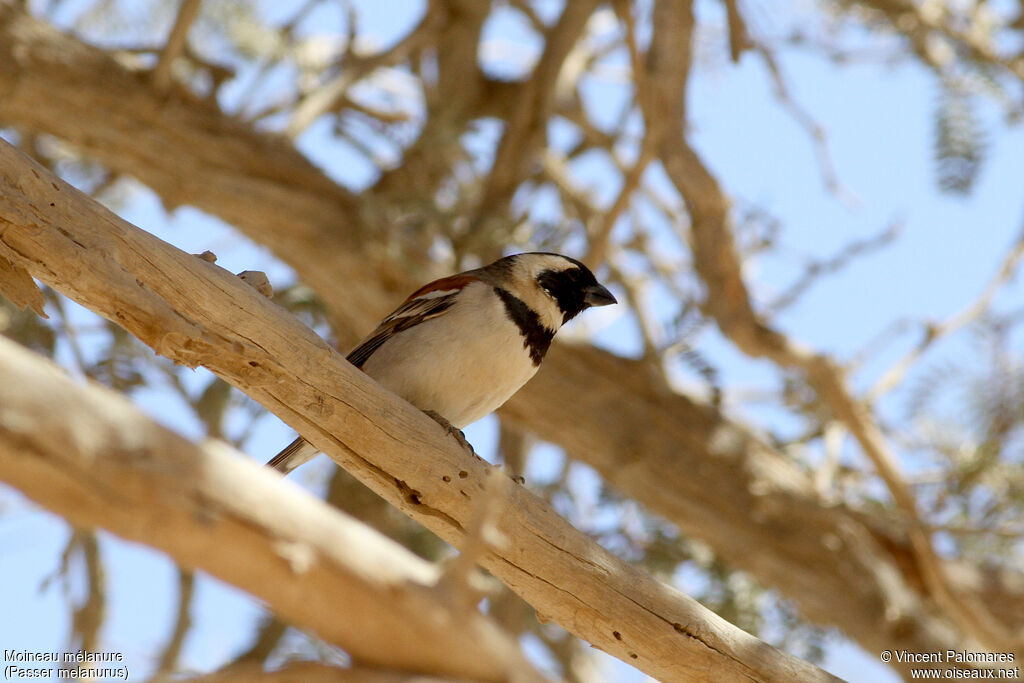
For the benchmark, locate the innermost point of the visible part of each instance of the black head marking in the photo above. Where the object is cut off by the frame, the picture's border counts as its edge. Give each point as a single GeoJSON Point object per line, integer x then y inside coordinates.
{"type": "Point", "coordinates": [536, 337]}
{"type": "Point", "coordinates": [568, 288]}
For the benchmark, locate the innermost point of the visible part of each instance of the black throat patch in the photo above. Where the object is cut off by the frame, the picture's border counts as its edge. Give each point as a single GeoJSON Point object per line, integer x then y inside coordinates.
{"type": "Point", "coordinates": [536, 337]}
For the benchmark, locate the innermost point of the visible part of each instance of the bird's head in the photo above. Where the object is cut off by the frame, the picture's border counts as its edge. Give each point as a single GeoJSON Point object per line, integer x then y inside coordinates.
{"type": "Point", "coordinates": [557, 287]}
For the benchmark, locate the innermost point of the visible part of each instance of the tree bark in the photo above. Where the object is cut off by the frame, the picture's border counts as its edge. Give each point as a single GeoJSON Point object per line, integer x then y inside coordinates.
{"type": "Point", "coordinates": [196, 313]}
{"type": "Point", "coordinates": [749, 502]}
{"type": "Point", "coordinates": [87, 454]}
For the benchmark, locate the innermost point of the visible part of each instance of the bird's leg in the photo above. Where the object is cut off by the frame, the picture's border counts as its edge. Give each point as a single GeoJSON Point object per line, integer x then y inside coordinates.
{"type": "Point", "coordinates": [451, 429]}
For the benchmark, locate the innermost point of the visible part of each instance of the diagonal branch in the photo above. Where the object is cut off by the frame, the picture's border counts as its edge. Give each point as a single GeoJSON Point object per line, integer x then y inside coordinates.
{"type": "Point", "coordinates": [971, 313]}
{"type": "Point", "coordinates": [198, 314]}
{"type": "Point", "coordinates": [182, 624]}
{"type": "Point", "coordinates": [687, 462]}
{"type": "Point", "coordinates": [728, 303]}
{"type": "Point", "coordinates": [87, 454]}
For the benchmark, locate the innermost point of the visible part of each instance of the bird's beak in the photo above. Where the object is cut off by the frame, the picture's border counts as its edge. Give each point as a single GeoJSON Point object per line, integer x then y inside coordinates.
{"type": "Point", "coordinates": [597, 295]}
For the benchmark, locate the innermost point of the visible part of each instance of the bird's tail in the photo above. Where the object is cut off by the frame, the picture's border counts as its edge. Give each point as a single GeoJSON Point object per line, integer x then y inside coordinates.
{"type": "Point", "coordinates": [296, 453]}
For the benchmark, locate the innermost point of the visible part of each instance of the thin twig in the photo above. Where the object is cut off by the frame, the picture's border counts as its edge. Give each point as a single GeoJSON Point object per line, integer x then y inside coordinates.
{"type": "Point", "coordinates": [354, 68]}
{"type": "Point", "coordinates": [88, 617]}
{"type": "Point", "coordinates": [817, 269]}
{"type": "Point", "coordinates": [933, 332]}
{"type": "Point", "coordinates": [287, 37]}
{"type": "Point", "coordinates": [70, 334]}
{"type": "Point", "coordinates": [527, 120]}
{"type": "Point", "coordinates": [634, 297]}
{"type": "Point", "coordinates": [601, 235]}
{"type": "Point", "coordinates": [739, 37]}
{"type": "Point", "coordinates": [814, 130]}
{"type": "Point", "coordinates": [182, 624]}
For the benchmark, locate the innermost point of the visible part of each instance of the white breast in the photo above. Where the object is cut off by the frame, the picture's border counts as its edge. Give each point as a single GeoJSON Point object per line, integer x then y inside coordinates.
{"type": "Point", "coordinates": [463, 364]}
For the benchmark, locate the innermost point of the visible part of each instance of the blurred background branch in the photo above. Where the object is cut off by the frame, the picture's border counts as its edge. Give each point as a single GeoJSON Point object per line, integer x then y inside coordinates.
{"type": "Point", "coordinates": [811, 424]}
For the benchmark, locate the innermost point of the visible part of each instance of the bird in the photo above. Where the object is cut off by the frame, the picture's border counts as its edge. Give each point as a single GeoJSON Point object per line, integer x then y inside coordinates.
{"type": "Point", "coordinates": [462, 345]}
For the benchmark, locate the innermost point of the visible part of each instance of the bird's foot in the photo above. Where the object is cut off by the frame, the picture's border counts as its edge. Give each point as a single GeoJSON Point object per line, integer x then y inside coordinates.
{"type": "Point", "coordinates": [451, 429]}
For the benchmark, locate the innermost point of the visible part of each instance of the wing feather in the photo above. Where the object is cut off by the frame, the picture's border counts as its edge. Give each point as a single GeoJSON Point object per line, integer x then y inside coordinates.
{"type": "Point", "coordinates": [429, 301]}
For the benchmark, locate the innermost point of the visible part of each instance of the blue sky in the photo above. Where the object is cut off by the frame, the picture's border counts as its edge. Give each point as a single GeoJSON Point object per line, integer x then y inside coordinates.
{"type": "Point", "coordinates": [879, 125]}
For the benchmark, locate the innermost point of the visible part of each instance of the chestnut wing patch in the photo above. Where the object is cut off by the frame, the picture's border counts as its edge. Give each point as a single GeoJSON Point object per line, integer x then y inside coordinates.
{"type": "Point", "coordinates": [452, 283]}
{"type": "Point", "coordinates": [426, 305]}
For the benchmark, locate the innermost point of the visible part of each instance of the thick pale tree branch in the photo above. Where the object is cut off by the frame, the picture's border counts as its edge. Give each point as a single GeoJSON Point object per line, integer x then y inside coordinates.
{"type": "Point", "coordinates": [198, 314]}
{"type": "Point", "coordinates": [758, 510]}
{"type": "Point", "coordinates": [89, 455]}
{"type": "Point", "coordinates": [678, 472]}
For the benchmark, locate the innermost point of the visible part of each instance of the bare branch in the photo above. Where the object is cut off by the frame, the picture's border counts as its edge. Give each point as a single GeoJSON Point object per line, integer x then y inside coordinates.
{"type": "Point", "coordinates": [198, 314]}
{"type": "Point", "coordinates": [645, 320]}
{"type": "Point", "coordinates": [726, 485]}
{"type": "Point", "coordinates": [87, 454]}
{"type": "Point", "coordinates": [817, 269]}
{"type": "Point", "coordinates": [728, 303]}
{"type": "Point", "coordinates": [182, 624]}
{"type": "Point", "coordinates": [175, 44]}
{"type": "Point", "coordinates": [933, 332]}
{"type": "Point", "coordinates": [527, 122]}
{"type": "Point", "coordinates": [739, 37]}
{"type": "Point", "coordinates": [601, 236]}
{"type": "Point", "coordinates": [813, 129]}
{"type": "Point", "coordinates": [100, 100]}
{"type": "Point", "coordinates": [327, 97]}
{"type": "Point", "coordinates": [87, 618]}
